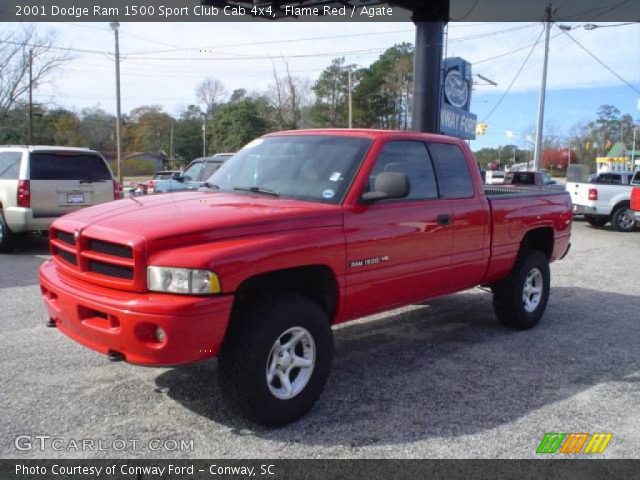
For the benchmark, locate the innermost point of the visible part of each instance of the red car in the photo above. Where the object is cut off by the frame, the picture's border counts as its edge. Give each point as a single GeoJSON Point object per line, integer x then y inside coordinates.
{"type": "Point", "coordinates": [297, 232]}
{"type": "Point", "coordinates": [635, 203]}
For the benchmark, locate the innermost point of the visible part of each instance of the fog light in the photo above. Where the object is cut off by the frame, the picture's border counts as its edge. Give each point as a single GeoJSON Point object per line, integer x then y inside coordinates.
{"type": "Point", "coordinates": [160, 335]}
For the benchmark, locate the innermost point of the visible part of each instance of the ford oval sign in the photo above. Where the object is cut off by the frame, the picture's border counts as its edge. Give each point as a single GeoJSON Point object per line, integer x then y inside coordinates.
{"type": "Point", "coordinates": [456, 89]}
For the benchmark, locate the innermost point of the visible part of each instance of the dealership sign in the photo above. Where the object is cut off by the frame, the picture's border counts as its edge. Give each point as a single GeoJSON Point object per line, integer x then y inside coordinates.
{"type": "Point", "coordinates": [455, 118]}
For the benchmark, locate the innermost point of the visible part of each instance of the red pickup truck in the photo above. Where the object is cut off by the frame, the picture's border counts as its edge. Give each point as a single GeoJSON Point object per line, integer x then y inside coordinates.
{"type": "Point", "coordinates": [635, 203]}
{"type": "Point", "coordinates": [297, 232]}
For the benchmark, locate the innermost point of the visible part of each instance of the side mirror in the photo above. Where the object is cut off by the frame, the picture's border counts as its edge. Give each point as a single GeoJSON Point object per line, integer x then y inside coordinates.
{"type": "Point", "coordinates": [177, 177]}
{"type": "Point", "coordinates": [388, 185]}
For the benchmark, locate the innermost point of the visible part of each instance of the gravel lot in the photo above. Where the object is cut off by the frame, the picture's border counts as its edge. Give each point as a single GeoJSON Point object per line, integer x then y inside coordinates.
{"type": "Point", "coordinates": [438, 380]}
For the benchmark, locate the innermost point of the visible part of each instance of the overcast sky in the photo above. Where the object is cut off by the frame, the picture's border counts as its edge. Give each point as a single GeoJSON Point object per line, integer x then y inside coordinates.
{"type": "Point", "coordinates": [162, 64]}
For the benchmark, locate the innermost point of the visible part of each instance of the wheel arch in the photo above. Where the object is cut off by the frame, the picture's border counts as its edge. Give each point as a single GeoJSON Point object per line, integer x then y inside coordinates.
{"type": "Point", "coordinates": [316, 282]}
{"type": "Point", "coordinates": [541, 239]}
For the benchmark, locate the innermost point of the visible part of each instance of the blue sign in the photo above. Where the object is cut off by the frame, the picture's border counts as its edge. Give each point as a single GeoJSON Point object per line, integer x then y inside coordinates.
{"type": "Point", "coordinates": [457, 122]}
{"type": "Point", "coordinates": [455, 118]}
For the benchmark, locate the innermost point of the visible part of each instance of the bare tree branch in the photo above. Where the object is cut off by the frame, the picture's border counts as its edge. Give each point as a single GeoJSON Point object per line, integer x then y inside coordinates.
{"type": "Point", "coordinates": [14, 58]}
{"type": "Point", "coordinates": [210, 92]}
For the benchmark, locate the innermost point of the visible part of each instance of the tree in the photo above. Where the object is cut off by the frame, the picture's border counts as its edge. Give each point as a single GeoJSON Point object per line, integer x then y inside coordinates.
{"type": "Point", "coordinates": [238, 94]}
{"type": "Point", "coordinates": [382, 97]}
{"type": "Point", "coordinates": [558, 159]}
{"type": "Point", "coordinates": [187, 135]}
{"type": "Point", "coordinates": [236, 124]}
{"type": "Point", "coordinates": [98, 129]}
{"type": "Point", "coordinates": [210, 93]}
{"type": "Point", "coordinates": [332, 93]}
{"type": "Point", "coordinates": [15, 46]}
{"type": "Point", "coordinates": [288, 95]}
{"type": "Point", "coordinates": [148, 129]}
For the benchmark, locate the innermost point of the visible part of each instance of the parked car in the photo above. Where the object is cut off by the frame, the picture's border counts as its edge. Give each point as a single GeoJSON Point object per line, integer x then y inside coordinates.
{"type": "Point", "coordinates": [298, 231]}
{"type": "Point", "coordinates": [533, 179]}
{"type": "Point", "coordinates": [606, 199]}
{"type": "Point", "coordinates": [40, 183]}
{"type": "Point", "coordinates": [494, 177]}
{"type": "Point", "coordinates": [194, 176]}
{"type": "Point", "coordinates": [162, 175]}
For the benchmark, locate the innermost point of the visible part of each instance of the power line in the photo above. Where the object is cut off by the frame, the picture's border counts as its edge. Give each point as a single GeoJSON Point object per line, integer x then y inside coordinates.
{"type": "Point", "coordinates": [514, 79]}
{"type": "Point", "coordinates": [601, 62]}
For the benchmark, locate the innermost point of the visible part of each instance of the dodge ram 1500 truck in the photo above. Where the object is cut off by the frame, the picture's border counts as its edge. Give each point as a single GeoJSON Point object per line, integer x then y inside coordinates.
{"type": "Point", "coordinates": [297, 232]}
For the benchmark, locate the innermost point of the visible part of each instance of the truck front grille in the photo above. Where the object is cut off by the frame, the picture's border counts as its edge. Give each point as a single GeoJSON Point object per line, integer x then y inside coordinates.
{"type": "Point", "coordinates": [113, 249]}
{"type": "Point", "coordinates": [69, 257]}
{"type": "Point", "coordinates": [110, 270]}
{"type": "Point", "coordinates": [98, 258]}
{"type": "Point", "coordinates": [66, 237]}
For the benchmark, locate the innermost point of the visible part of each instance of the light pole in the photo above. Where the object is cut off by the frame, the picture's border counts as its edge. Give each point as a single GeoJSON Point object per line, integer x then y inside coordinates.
{"type": "Point", "coordinates": [115, 26]}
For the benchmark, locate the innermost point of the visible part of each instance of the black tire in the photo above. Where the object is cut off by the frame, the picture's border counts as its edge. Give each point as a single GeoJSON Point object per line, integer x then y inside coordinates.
{"type": "Point", "coordinates": [246, 355]}
{"type": "Point", "coordinates": [7, 238]}
{"type": "Point", "coordinates": [508, 295]}
{"type": "Point", "coordinates": [597, 220]}
{"type": "Point", "coordinates": [622, 220]}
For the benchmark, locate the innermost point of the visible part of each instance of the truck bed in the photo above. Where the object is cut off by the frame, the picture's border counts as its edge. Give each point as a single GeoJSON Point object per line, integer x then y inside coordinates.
{"type": "Point", "coordinates": [494, 192]}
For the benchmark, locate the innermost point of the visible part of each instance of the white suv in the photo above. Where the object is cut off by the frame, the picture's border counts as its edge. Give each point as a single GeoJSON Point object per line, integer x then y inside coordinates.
{"type": "Point", "coordinates": [40, 183]}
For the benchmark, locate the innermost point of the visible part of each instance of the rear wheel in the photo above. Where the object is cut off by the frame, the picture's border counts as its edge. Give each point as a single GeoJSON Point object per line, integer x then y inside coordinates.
{"type": "Point", "coordinates": [6, 236]}
{"type": "Point", "coordinates": [276, 358]}
{"type": "Point", "coordinates": [597, 220]}
{"type": "Point", "coordinates": [622, 220]}
{"type": "Point", "coordinates": [519, 300]}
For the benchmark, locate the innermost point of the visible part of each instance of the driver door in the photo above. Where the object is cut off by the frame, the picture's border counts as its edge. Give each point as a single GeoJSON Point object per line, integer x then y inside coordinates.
{"type": "Point", "coordinates": [398, 251]}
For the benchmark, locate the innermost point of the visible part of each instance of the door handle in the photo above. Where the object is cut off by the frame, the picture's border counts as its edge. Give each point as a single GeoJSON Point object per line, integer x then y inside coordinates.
{"type": "Point", "coordinates": [444, 219]}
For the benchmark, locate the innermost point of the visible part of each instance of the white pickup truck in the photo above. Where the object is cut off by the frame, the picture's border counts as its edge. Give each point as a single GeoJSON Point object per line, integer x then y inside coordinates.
{"type": "Point", "coordinates": [606, 199]}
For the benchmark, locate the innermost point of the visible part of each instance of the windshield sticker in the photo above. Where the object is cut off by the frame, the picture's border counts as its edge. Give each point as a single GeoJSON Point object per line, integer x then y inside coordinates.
{"type": "Point", "coordinates": [335, 176]}
{"type": "Point", "coordinates": [328, 193]}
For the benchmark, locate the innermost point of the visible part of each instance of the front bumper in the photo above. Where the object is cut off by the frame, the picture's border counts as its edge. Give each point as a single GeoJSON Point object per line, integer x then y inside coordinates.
{"type": "Point", "coordinates": [636, 215]}
{"type": "Point", "coordinates": [116, 322]}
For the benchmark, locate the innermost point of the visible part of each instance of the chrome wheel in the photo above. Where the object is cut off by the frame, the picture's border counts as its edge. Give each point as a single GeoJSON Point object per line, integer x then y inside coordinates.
{"type": "Point", "coordinates": [291, 363]}
{"type": "Point", "coordinates": [532, 291]}
{"type": "Point", "coordinates": [626, 220]}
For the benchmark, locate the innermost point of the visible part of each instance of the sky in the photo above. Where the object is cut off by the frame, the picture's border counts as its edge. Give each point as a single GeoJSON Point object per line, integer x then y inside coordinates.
{"type": "Point", "coordinates": [162, 63]}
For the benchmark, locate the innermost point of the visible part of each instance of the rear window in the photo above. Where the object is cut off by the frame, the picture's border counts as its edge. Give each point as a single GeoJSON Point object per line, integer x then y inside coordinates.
{"type": "Point", "coordinates": [453, 174]}
{"type": "Point", "coordinates": [9, 165]}
{"type": "Point", "coordinates": [68, 166]}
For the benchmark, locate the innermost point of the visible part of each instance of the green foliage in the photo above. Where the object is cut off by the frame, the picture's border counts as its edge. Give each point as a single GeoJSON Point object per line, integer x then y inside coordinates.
{"type": "Point", "coordinates": [383, 94]}
{"type": "Point", "coordinates": [332, 92]}
{"type": "Point", "coordinates": [236, 124]}
{"type": "Point", "coordinates": [134, 167]}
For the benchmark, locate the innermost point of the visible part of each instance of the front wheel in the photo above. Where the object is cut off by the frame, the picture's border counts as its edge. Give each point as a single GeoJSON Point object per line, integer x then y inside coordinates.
{"type": "Point", "coordinates": [519, 300]}
{"type": "Point", "coordinates": [276, 358]}
{"type": "Point", "coordinates": [622, 220]}
{"type": "Point", "coordinates": [597, 220]}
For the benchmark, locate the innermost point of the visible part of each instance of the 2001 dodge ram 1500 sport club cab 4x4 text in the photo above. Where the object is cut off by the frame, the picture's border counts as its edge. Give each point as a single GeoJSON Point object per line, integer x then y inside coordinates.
{"type": "Point", "coordinates": [298, 231]}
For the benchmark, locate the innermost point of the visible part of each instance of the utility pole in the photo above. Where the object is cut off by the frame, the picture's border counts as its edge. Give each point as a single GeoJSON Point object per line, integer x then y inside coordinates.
{"type": "Point", "coordinates": [548, 18]}
{"type": "Point", "coordinates": [114, 26]}
{"type": "Point", "coordinates": [171, 144]}
{"type": "Point", "coordinates": [30, 135]}
{"type": "Point", "coordinates": [350, 101]}
{"type": "Point", "coordinates": [204, 135]}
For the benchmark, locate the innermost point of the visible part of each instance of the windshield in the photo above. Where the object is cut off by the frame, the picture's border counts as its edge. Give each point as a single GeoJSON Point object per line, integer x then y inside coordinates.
{"type": "Point", "coordinates": [304, 167]}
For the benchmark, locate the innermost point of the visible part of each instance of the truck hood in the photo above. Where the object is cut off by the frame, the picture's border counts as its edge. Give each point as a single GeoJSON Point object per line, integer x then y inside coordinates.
{"type": "Point", "coordinates": [202, 216]}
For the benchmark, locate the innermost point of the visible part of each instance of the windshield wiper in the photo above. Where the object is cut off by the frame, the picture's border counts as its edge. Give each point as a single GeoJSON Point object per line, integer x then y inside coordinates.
{"type": "Point", "coordinates": [211, 185]}
{"type": "Point", "coordinates": [256, 189]}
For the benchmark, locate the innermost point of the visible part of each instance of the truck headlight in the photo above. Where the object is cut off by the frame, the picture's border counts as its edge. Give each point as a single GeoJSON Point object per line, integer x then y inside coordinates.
{"type": "Point", "coordinates": [182, 280]}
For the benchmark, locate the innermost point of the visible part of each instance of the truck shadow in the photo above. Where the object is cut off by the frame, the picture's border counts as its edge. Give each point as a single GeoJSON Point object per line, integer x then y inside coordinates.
{"type": "Point", "coordinates": [23, 263]}
{"type": "Point", "coordinates": [445, 369]}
